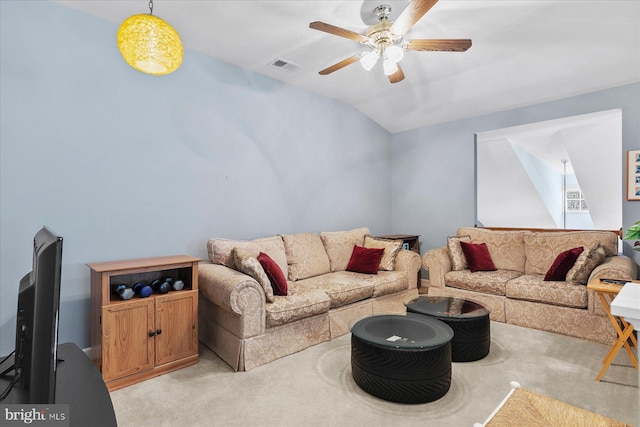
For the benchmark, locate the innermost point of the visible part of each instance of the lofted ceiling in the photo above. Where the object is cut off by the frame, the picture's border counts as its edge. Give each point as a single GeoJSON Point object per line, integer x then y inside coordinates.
{"type": "Point", "coordinates": [524, 52]}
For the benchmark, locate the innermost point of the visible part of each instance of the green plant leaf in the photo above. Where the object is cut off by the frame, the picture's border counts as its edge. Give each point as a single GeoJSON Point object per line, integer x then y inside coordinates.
{"type": "Point", "coordinates": [633, 233]}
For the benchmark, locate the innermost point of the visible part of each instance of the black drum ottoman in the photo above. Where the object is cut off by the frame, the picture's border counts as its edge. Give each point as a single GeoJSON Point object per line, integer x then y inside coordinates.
{"type": "Point", "coordinates": [405, 359]}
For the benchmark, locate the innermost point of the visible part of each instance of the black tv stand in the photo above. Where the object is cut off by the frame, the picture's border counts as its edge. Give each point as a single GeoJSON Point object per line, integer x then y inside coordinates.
{"type": "Point", "coordinates": [78, 384]}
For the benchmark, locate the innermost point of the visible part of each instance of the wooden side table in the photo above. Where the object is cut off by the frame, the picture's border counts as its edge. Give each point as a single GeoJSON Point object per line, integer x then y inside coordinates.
{"type": "Point", "coordinates": [607, 292]}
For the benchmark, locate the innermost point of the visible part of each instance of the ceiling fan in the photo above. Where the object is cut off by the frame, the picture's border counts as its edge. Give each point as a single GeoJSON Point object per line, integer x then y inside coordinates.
{"type": "Point", "coordinates": [386, 40]}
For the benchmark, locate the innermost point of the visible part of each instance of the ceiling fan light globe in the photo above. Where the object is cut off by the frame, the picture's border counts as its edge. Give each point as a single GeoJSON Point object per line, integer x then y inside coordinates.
{"type": "Point", "coordinates": [394, 53]}
{"type": "Point", "coordinates": [369, 60]}
{"type": "Point", "coordinates": [389, 67]}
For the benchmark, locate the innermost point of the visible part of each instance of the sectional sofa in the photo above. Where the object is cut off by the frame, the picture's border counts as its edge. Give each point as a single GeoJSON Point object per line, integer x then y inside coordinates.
{"type": "Point", "coordinates": [516, 291]}
{"type": "Point", "coordinates": [247, 324]}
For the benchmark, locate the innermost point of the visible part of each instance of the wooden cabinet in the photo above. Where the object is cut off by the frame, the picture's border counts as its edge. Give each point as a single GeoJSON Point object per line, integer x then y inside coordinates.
{"type": "Point", "coordinates": [136, 339]}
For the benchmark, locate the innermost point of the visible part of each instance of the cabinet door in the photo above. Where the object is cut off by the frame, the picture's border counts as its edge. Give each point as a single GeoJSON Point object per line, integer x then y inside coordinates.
{"type": "Point", "coordinates": [127, 347]}
{"type": "Point", "coordinates": [176, 323]}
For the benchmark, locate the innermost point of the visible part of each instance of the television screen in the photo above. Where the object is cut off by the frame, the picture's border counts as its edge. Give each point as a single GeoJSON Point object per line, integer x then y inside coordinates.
{"type": "Point", "coordinates": [37, 321]}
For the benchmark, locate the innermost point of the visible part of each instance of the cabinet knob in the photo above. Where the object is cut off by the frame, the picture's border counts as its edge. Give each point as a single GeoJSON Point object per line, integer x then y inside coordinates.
{"type": "Point", "coordinates": [151, 333]}
{"type": "Point", "coordinates": [159, 331]}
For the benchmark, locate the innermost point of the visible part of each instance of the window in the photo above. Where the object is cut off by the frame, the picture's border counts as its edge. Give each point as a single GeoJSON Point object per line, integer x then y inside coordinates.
{"type": "Point", "coordinates": [574, 201]}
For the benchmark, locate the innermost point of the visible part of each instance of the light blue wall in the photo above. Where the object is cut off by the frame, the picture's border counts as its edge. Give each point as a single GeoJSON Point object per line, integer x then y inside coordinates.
{"type": "Point", "coordinates": [432, 182]}
{"type": "Point", "coordinates": [127, 165]}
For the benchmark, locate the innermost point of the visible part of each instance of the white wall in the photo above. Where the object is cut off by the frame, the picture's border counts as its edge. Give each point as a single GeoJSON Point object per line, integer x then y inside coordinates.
{"type": "Point", "coordinates": [127, 165]}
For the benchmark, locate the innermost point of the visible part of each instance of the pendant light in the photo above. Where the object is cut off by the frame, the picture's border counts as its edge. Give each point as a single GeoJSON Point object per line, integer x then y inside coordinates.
{"type": "Point", "coordinates": [149, 44]}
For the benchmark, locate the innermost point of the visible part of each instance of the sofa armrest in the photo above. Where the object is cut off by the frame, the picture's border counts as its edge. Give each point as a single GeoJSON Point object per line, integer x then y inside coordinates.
{"type": "Point", "coordinates": [437, 263]}
{"type": "Point", "coordinates": [614, 267]}
{"type": "Point", "coordinates": [409, 262]}
{"type": "Point", "coordinates": [236, 293]}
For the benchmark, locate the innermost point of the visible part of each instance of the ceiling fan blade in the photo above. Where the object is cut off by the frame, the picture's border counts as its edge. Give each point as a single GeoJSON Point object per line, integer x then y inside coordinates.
{"type": "Point", "coordinates": [442, 45]}
{"type": "Point", "coordinates": [398, 76]}
{"type": "Point", "coordinates": [331, 29]}
{"type": "Point", "coordinates": [414, 11]}
{"type": "Point", "coordinates": [341, 64]}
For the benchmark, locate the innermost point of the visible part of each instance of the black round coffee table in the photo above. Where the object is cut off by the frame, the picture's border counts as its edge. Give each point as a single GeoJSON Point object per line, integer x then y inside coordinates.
{"type": "Point", "coordinates": [405, 359]}
{"type": "Point", "coordinates": [468, 319]}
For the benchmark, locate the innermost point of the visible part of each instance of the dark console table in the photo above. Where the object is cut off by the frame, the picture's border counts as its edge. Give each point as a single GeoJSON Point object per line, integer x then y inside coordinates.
{"type": "Point", "coordinates": [79, 384]}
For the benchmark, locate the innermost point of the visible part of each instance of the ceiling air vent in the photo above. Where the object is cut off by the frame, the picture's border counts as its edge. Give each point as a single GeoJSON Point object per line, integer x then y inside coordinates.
{"type": "Point", "coordinates": [283, 64]}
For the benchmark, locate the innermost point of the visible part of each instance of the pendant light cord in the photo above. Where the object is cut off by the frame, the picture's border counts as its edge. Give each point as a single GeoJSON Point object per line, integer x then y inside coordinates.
{"type": "Point", "coordinates": [150, 7]}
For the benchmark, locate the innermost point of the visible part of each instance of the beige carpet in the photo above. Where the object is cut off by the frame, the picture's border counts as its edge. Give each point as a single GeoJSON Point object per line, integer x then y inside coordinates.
{"type": "Point", "coordinates": [314, 387]}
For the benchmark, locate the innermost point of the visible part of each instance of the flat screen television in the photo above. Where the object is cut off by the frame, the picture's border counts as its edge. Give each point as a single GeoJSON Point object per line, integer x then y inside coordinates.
{"type": "Point", "coordinates": [37, 322]}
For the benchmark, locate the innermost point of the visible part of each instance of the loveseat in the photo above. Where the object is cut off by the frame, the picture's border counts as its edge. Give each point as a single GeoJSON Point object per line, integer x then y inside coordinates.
{"type": "Point", "coordinates": [248, 324]}
{"type": "Point", "coordinates": [516, 292]}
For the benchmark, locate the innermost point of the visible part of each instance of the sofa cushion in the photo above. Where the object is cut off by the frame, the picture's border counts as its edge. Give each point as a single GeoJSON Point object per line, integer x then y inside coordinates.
{"type": "Point", "coordinates": [506, 247]}
{"type": "Point", "coordinates": [542, 248]}
{"type": "Point", "coordinates": [391, 249]}
{"type": "Point", "coordinates": [339, 245]}
{"type": "Point", "coordinates": [274, 273]}
{"type": "Point", "coordinates": [584, 265]}
{"type": "Point", "coordinates": [299, 304]}
{"type": "Point", "coordinates": [365, 260]}
{"type": "Point", "coordinates": [562, 264]}
{"type": "Point", "coordinates": [458, 260]}
{"type": "Point", "coordinates": [534, 288]}
{"type": "Point", "coordinates": [488, 282]}
{"type": "Point", "coordinates": [249, 265]}
{"type": "Point", "coordinates": [389, 282]}
{"type": "Point", "coordinates": [305, 255]}
{"type": "Point", "coordinates": [220, 250]}
{"type": "Point", "coordinates": [477, 256]}
{"type": "Point", "coordinates": [342, 287]}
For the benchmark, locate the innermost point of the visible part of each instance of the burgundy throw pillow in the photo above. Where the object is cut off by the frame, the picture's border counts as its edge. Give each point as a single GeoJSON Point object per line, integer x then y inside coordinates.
{"type": "Point", "coordinates": [562, 264]}
{"type": "Point", "coordinates": [478, 257]}
{"type": "Point", "coordinates": [365, 260]}
{"type": "Point", "coordinates": [275, 274]}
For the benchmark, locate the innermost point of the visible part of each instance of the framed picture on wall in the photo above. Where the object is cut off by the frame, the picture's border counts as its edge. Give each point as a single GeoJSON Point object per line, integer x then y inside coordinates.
{"type": "Point", "coordinates": [633, 175]}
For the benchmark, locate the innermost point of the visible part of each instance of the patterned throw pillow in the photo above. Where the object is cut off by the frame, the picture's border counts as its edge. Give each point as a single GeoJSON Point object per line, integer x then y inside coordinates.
{"type": "Point", "coordinates": [250, 266]}
{"type": "Point", "coordinates": [391, 248]}
{"type": "Point", "coordinates": [584, 265]}
{"type": "Point", "coordinates": [458, 261]}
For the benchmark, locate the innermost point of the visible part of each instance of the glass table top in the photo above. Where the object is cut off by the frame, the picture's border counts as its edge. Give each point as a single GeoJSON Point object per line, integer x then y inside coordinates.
{"type": "Point", "coordinates": [402, 331]}
{"type": "Point", "coordinates": [446, 307]}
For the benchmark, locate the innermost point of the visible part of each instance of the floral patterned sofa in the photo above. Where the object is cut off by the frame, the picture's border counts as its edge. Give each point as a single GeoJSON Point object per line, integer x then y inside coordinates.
{"type": "Point", "coordinates": [247, 324]}
{"type": "Point", "coordinates": [516, 291]}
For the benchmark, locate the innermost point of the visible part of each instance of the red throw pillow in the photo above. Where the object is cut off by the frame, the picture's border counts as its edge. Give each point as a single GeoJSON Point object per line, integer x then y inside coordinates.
{"type": "Point", "coordinates": [275, 274]}
{"type": "Point", "coordinates": [562, 264]}
{"type": "Point", "coordinates": [478, 257]}
{"type": "Point", "coordinates": [365, 260]}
